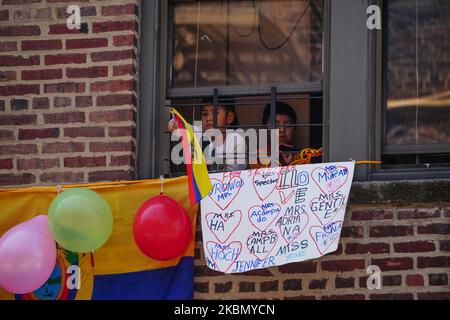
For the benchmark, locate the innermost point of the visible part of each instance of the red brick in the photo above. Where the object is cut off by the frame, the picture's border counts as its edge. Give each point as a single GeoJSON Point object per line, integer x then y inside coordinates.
{"type": "Point", "coordinates": [30, 164]}
{"type": "Point", "coordinates": [391, 231]}
{"type": "Point", "coordinates": [341, 282]}
{"type": "Point", "coordinates": [113, 86]}
{"type": "Point", "coordinates": [88, 132]}
{"type": "Point", "coordinates": [116, 10]}
{"type": "Point", "coordinates": [414, 280]}
{"type": "Point", "coordinates": [62, 29]}
{"type": "Point", "coordinates": [19, 90]}
{"type": "Point", "coordinates": [65, 117]}
{"type": "Point", "coordinates": [17, 179]}
{"type": "Point", "coordinates": [437, 228]}
{"type": "Point", "coordinates": [111, 116]}
{"type": "Point", "coordinates": [389, 264]}
{"type": "Point", "coordinates": [292, 284]}
{"type": "Point", "coordinates": [123, 70]}
{"type": "Point", "coordinates": [16, 120]}
{"type": "Point", "coordinates": [31, 134]}
{"type": "Point", "coordinates": [111, 146]}
{"type": "Point", "coordinates": [41, 103]}
{"type": "Point", "coordinates": [444, 245]}
{"type": "Point", "coordinates": [20, 2]}
{"type": "Point", "coordinates": [83, 101]}
{"type": "Point", "coordinates": [65, 58]}
{"type": "Point", "coordinates": [7, 46]}
{"type": "Point", "coordinates": [6, 164]}
{"type": "Point", "coordinates": [344, 297]}
{"type": "Point", "coordinates": [360, 248]}
{"type": "Point", "coordinates": [115, 100]}
{"type": "Point", "coordinates": [7, 76]}
{"type": "Point", "coordinates": [124, 40]}
{"type": "Point", "coordinates": [43, 14]}
{"type": "Point", "coordinates": [440, 279]}
{"type": "Point", "coordinates": [86, 43]}
{"type": "Point", "coordinates": [38, 45]}
{"type": "Point", "coordinates": [392, 296]}
{"type": "Point", "coordinates": [126, 160]}
{"type": "Point", "coordinates": [63, 147]}
{"type": "Point", "coordinates": [46, 74]}
{"type": "Point", "coordinates": [22, 14]}
{"type": "Point", "coordinates": [91, 72]}
{"type": "Point", "coordinates": [112, 175]}
{"type": "Point", "coordinates": [13, 61]}
{"type": "Point", "coordinates": [112, 55]}
{"type": "Point", "coordinates": [268, 286]}
{"type": "Point", "coordinates": [121, 131]}
{"type": "Point", "coordinates": [19, 31]}
{"type": "Point", "coordinates": [433, 295]}
{"type": "Point", "coordinates": [299, 267]}
{"type": "Point", "coordinates": [433, 262]}
{"type": "Point", "coordinates": [61, 102]}
{"type": "Point", "coordinates": [18, 149]}
{"type": "Point", "coordinates": [318, 283]}
{"type": "Point", "coordinates": [19, 104]}
{"type": "Point", "coordinates": [4, 15]}
{"type": "Point", "coordinates": [6, 135]}
{"type": "Point", "coordinates": [365, 215]}
{"type": "Point", "coordinates": [62, 177]}
{"type": "Point", "coordinates": [343, 265]}
{"type": "Point", "coordinates": [246, 286]}
{"type": "Point", "coordinates": [416, 214]}
{"type": "Point", "coordinates": [85, 162]}
{"type": "Point", "coordinates": [223, 287]}
{"type": "Point", "coordinates": [201, 287]}
{"type": "Point", "coordinates": [109, 26]}
{"type": "Point", "coordinates": [392, 281]}
{"type": "Point", "coordinates": [66, 87]}
{"type": "Point", "coordinates": [414, 246]}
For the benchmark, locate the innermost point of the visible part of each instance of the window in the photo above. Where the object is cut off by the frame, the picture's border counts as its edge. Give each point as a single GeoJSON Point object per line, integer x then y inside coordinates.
{"type": "Point", "coordinates": [417, 84]}
{"type": "Point", "coordinates": [253, 53]}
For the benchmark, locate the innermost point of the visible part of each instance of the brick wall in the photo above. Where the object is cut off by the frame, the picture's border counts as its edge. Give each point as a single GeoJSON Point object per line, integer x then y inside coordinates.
{"type": "Point", "coordinates": [410, 244]}
{"type": "Point", "coordinates": [67, 98]}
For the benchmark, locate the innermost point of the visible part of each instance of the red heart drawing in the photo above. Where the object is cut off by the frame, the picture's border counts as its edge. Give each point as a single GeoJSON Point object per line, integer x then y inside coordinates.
{"type": "Point", "coordinates": [224, 192]}
{"type": "Point", "coordinates": [263, 245]}
{"type": "Point", "coordinates": [285, 199]}
{"type": "Point", "coordinates": [325, 237]}
{"type": "Point", "coordinates": [330, 179]}
{"type": "Point", "coordinates": [322, 207]}
{"type": "Point", "coordinates": [262, 217]}
{"type": "Point", "coordinates": [223, 227]}
{"type": "Point", "coordinates": [265, 183]}
{"type": "Point", "coordinates": [291, 226]}
{"type": "Point", "coordinates": [224, 255]}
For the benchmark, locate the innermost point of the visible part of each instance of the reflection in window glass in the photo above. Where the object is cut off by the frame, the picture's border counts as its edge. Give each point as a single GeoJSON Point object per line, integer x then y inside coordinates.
{"type": "Point", "coordinates": [219, 43]}
{"type": "Point", "coordinates": [418, 72]}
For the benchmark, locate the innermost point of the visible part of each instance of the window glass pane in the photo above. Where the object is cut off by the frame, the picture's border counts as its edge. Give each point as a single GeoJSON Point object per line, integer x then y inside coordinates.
{"type": "Point", "coordinates": [219, 43]}
{"type": "Point", "coordinates": [418, 72]}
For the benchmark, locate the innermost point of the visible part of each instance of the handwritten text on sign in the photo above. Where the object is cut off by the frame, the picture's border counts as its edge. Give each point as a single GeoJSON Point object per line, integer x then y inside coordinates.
{"type": "Point", "coordinates": [268, 217]}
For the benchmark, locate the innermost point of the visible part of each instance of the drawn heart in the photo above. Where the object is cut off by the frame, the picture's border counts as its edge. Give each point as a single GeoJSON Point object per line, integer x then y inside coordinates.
{"type": "Point", "coordinates": [262, 216]}
{"type": "Point", "coordinates": [327, 209]}
{"type": "Point", "coordinates": [222, 226]}
{"type": "Point", "coordinates": [224, 192]}
{"type": "Point", "coordinates": [223, 255]}
{"type": "Point", "coordinates": [330, 179]}
{"type": "Point", "coordinates": [265, 183]}
{"type": "Point", "coordinates": [291, 226]}
{"type": "Point", "coordinates": [325, 236]}
{"type": "Point", "coordinates": [285, 199]}
{"type": "Point", "coordinates": [261, 244]}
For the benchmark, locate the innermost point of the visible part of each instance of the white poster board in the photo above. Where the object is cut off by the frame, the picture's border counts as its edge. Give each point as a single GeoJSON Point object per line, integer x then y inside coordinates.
{"type": "Point", "coordinates": [262, 218]}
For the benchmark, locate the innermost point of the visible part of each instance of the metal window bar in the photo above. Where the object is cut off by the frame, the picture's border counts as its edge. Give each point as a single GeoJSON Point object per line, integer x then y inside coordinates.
{"type": "Point", "coordinates": [260, 102]}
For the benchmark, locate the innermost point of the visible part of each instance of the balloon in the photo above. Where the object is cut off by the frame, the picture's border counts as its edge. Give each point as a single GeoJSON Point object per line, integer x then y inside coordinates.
{"type": "Point", "coordinates": [162, 229]}
{"type": "Point", "coordinates": [27, 256]}
{"type": "Point", "coordinates": [80, 220]}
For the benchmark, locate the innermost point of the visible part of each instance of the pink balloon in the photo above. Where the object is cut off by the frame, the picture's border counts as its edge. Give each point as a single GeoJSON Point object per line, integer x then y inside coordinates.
{"type": "Point", "coordinates": [27, 256]}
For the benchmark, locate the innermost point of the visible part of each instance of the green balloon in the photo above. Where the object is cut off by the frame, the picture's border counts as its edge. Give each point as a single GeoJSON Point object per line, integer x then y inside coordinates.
{"type": "Point", "coordinates": [80, 220]}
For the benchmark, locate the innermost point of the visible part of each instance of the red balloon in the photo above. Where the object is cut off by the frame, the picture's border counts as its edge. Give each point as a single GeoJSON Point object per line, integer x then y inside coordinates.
{"type": "Point", "coordinates": [162, 229]}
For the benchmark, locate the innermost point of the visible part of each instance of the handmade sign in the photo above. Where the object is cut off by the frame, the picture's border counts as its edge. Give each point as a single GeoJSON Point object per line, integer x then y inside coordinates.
{"type": "Point", "coordinates": [269, 217]}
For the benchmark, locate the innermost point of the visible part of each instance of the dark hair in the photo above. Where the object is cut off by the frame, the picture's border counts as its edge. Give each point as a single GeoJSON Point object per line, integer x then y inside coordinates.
{"type": "Point", "coordinates": [282, 108]}
{"type": "Point", "coordinates": [229, 107]}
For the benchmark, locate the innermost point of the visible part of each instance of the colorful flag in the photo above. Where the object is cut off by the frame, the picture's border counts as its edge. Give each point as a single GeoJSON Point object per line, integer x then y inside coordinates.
{"type": "Point", "coordinates": [118, 270]}
{"type": "Point", "coordinates": [199, 182]}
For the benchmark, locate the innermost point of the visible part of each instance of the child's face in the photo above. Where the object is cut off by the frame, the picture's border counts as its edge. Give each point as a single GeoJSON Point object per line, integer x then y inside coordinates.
{"type": "Point", "coordinates": [286, 133]}
{"type": "Point", "coordinates": [223, 117]}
